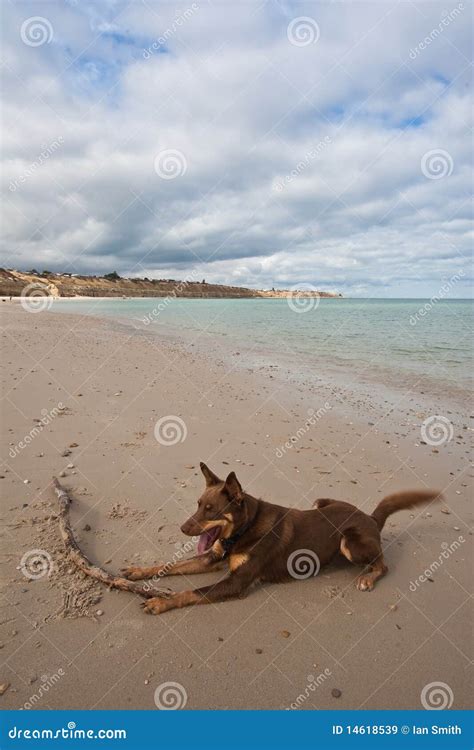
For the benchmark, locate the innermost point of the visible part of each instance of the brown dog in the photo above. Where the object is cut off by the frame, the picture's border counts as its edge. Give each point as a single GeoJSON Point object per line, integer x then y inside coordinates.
{"type": "Point", "coordinates": [265, 542]}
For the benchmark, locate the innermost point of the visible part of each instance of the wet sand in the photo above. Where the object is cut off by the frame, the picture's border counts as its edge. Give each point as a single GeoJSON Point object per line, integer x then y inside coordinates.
{"type": "Point", "coordinates": [100, 389]}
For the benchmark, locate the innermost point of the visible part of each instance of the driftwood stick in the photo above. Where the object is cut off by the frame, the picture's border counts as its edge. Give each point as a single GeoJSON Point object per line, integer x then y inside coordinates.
{"type": "Point", "coordinates": [146, 590]}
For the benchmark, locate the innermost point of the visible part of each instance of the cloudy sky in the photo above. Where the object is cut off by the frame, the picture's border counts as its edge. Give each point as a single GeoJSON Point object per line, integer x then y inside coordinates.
{"type": "Point", "coordinates": [254, 143]}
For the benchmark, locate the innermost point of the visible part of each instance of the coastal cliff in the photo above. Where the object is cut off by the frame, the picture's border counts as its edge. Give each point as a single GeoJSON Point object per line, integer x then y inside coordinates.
{"type": "Point", "coordinates": [13, 283]}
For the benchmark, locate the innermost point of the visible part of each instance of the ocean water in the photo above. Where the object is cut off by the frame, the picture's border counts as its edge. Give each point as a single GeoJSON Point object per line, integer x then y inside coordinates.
{"type": "Point", "coordinates": [398, 343]}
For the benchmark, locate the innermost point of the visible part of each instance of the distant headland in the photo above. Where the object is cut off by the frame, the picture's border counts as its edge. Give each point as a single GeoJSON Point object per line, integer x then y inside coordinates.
{"type": "Point", "coordinates": [19, 283]}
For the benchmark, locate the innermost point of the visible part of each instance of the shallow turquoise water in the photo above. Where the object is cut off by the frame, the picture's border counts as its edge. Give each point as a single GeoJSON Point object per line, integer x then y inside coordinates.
{"type": "Point", "coordinates": [390, 341]}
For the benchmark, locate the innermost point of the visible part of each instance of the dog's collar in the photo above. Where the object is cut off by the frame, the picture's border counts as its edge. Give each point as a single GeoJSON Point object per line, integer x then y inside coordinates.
{"type": "Point", "coordinates": [228, 543]}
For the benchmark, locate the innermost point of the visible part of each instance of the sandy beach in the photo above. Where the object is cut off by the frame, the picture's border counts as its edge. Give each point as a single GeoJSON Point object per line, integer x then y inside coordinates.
{"type": "Point", "coordinates": [101, 389]}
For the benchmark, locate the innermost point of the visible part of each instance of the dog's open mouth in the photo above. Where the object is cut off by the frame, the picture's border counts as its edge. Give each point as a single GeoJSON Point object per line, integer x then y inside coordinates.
{"type": "Point", "coordinates": [207, 539]}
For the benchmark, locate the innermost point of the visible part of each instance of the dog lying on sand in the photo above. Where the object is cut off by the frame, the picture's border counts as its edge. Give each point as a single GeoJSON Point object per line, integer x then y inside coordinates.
{"type": "Point", "coordinates": [261, 541]}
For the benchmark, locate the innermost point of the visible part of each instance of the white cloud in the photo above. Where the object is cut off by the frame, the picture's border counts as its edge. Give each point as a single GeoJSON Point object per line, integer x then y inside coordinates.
{"type": "Point", "coordinates": [245, 108]}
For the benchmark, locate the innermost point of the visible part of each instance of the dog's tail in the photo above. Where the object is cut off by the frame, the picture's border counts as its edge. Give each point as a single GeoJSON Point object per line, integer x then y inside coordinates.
{"type": "Point", "coordinates": [402, 501]}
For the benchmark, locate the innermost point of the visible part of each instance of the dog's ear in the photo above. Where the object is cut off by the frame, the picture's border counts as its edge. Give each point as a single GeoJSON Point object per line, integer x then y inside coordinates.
{"type": "Point", "coordinates": [234, 488]}
{"type": "Point", "coordinates": [209, 475]}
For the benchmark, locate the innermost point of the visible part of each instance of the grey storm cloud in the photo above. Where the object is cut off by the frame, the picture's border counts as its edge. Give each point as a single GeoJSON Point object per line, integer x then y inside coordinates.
{"type": "Point", "coordinates": [257, 144]}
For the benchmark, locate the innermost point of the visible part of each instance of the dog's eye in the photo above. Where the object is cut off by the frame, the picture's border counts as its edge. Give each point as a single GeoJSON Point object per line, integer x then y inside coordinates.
{"type": "Point", "coordinates": [208, 507]}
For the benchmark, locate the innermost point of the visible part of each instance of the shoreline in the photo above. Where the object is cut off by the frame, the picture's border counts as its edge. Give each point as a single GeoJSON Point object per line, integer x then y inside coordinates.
{"type": "Point", "coordinates": [378, 385]}
{"type": "Point", "coordinates": [133, 493]}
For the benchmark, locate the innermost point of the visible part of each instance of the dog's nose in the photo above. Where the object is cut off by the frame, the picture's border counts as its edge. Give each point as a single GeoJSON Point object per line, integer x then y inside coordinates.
{"type": "Point", "coordinates": [185, 528]}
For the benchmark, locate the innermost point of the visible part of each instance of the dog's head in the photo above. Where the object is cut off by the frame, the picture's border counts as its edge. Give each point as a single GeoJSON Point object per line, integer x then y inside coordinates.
{"type": "Point", "coordinates": [220, 510]}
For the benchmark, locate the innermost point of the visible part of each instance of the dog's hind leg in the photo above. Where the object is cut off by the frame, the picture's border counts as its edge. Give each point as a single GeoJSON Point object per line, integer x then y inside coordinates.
{"type": "Point", "coordinates": [364, 550]}
{"type": "Point", "coordinates": [377, 569]}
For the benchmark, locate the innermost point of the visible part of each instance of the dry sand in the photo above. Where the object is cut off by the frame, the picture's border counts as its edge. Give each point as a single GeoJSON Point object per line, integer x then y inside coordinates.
{"type": "Point", "coordinates": [68, 643]}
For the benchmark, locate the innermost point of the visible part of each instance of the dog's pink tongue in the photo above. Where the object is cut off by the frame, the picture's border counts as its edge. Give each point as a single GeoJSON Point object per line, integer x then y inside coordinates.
{"type": "Point", "coordinates": [203, 543]}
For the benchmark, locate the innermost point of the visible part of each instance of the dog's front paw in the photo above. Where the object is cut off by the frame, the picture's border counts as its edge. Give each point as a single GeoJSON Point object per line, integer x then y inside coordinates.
{"type": "Point", "coordinates": [134, 573]}
{"type": "Point", "coordinates": [156, 605]}
{"type": "Point", "coordinates": [365, 583]}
